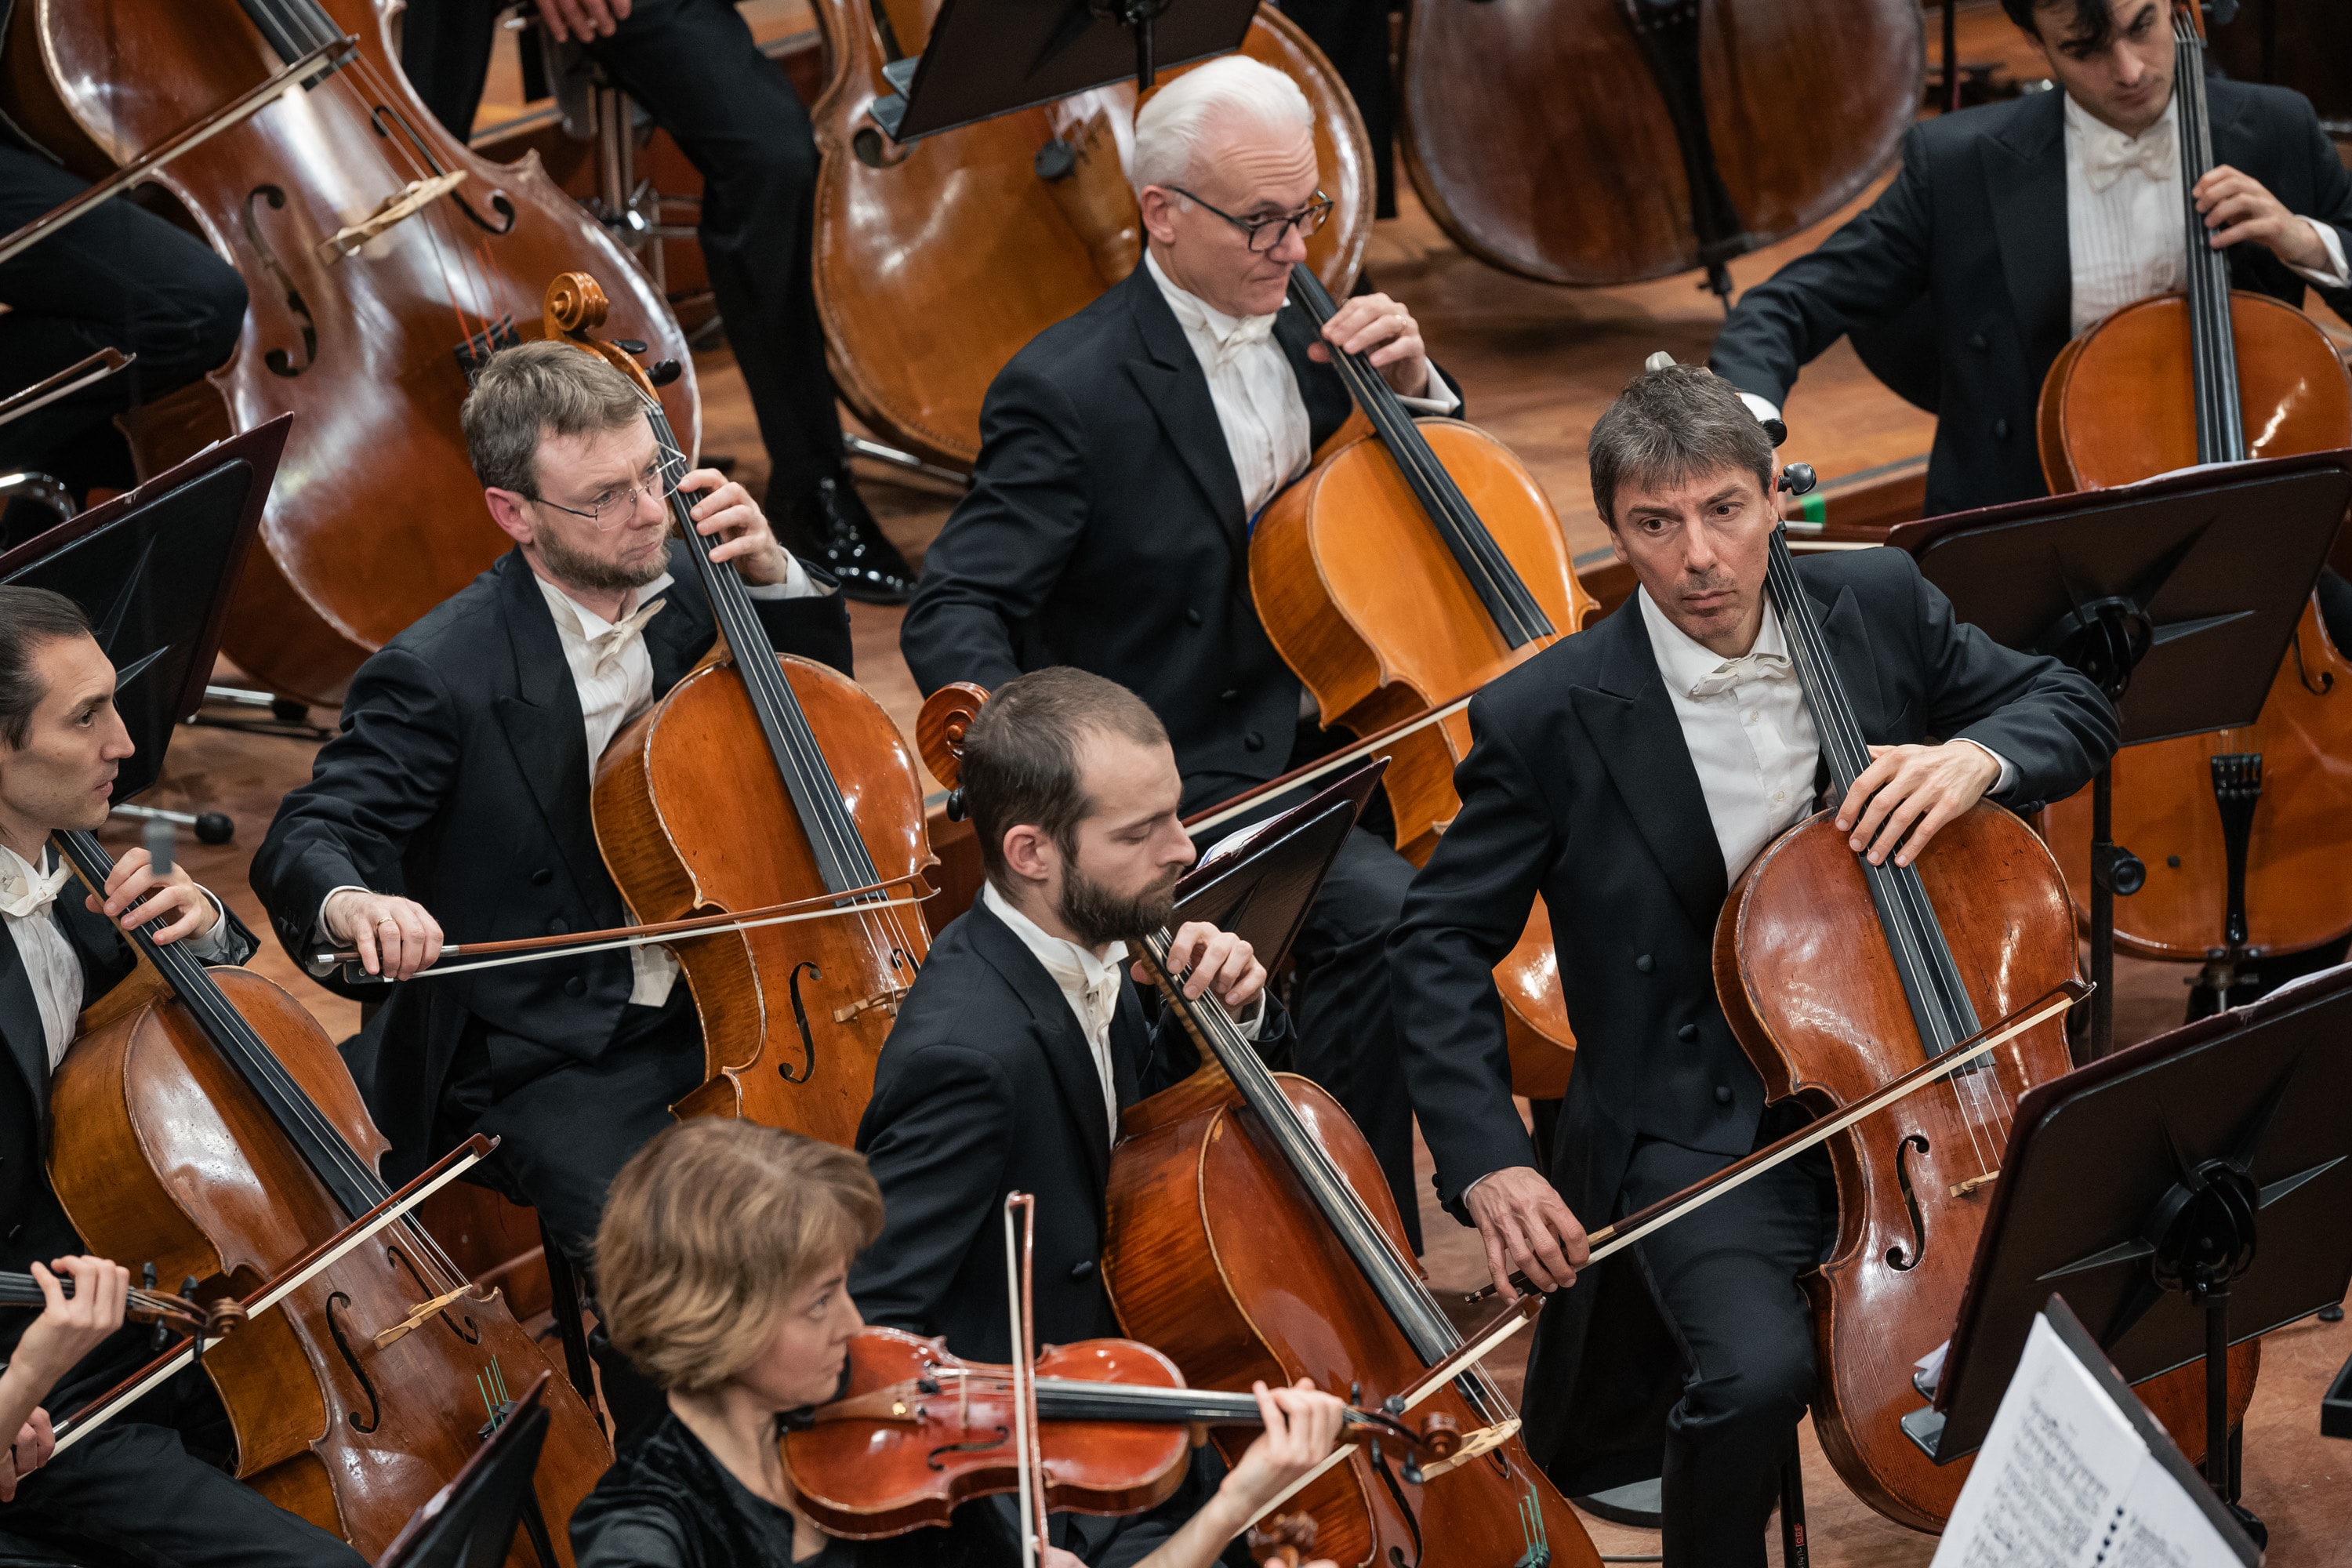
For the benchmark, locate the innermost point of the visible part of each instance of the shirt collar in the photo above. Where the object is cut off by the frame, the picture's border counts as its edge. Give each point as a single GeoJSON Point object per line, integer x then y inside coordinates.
{"type": "Point", "coordinates": [1195, 314]}
{"type": "Point", "coordinates": [572, 615]}
{"type": "Point", "coordinates": [1683, 659]}
{"type": "Point", "coordinates": [1072, 966]}
{"type": "Point", "coordinates": [27, 885]}
{"type": "Point", "coordinates": [2083, 128]}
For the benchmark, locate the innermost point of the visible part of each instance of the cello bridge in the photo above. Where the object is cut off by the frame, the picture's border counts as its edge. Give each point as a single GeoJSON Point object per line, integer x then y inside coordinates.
{"type": "Point", "coordinates": [1962, 1189]}
{"type": "Point", "coordinates": [887, 1000]}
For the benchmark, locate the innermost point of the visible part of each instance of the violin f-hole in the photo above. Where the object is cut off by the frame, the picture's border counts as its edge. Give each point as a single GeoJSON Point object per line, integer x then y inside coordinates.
{"type": "Point", "coordinates": [280, 362]}
{"type": "Point", "coordinates": [800, 1019]}
{"type": "Point", "coordinates": [977, 1445]}
{"type": "Point", "coordinates": [1895, 1256]}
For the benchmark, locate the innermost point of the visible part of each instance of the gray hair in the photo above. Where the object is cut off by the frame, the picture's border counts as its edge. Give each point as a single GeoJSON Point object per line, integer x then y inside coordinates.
{"type": "Point", "coordinates": [1171, 128]}
{"type": "Point", "coordinates": [1671, 424]}
{"type": "Point", "coordinates": [532, 392]}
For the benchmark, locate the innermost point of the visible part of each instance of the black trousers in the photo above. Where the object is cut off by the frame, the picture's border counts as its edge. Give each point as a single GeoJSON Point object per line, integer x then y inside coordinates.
{"type": "Point", "coordinates": [1724, 1279]}
{"type": "Point", "coordinates": [118, 278]}
{"type": "Point", "coordinates": [1347, 1029]}
{"type": "Point", "coordinates": [147, 1488]}
{"type": "Point", "coordinates": [692, 64]}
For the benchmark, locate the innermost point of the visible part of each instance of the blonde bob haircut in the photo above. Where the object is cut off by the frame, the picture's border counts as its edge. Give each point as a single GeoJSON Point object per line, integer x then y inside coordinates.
{"type": "Point", "coordinates": [708, 1232]}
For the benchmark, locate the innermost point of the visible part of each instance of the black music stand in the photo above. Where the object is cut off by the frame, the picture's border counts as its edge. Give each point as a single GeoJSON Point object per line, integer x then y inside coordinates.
{"type": "Point", "coordinates": [470, 1522]}
{"type": "Point", "coordinates": [2138, 1187]}
{"type": "Point", "coordinates": [1262, 888]}
{"type": "Point", "coordinates": [153, 569]}
{"type": "Point", "coordinates": [2179, 597]}
{"type": "Point", "coordinates": [988, 58]}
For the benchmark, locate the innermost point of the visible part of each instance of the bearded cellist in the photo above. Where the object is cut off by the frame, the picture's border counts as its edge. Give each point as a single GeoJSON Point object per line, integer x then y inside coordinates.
{"type": "Point", "coordinates": [149, 1487]}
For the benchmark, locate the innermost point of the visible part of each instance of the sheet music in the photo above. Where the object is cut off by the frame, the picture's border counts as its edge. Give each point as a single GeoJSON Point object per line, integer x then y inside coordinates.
{"type": "Point", "coordinates": [2064, 1481]}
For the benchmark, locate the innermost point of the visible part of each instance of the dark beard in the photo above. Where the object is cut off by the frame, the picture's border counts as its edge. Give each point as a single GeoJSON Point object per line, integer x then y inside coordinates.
{"type": "Point", "coordinates": [572, 569]}
{"type": "Point", "coordinates": [1099, 916]}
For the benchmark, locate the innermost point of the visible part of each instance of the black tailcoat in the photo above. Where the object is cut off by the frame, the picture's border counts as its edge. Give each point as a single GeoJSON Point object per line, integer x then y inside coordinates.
{"type": "Point", "coordinates": [1975, 225]}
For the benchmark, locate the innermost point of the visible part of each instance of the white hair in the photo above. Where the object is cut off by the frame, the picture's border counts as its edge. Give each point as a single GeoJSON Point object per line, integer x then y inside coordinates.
{"type": "Point", "coordinates": [1171, 128]}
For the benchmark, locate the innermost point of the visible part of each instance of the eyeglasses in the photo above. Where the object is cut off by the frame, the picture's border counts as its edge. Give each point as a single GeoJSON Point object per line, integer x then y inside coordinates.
{"type": "Point", "coordinates": [616, 504]}
{"type": "Point", "coordinates": [1263, 234]}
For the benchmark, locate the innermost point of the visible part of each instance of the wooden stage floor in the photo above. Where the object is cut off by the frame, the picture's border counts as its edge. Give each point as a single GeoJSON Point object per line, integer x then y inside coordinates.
{"type": "Point", "coordinates": [1536, 365]}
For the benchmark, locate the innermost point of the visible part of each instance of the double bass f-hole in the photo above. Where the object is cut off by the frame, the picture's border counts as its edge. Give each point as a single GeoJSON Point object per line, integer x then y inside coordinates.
{"type": "Point", "coordinates": [280, 362]}
{"type": "Point", "coordinates": [800, 1019]}
{"type": "Point", "coordinates": [1895, 1256]}
{"type": "Point", "coordinates": [383, 117]}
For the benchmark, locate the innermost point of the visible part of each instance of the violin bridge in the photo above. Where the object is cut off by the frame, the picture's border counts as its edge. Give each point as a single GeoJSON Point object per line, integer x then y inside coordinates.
{"type": "Point", "coordinates": [1962, 1189]}
{"type": "Point", "coordinates": [416, 1317]}
{"type": "Point", "coordinates": [887, 1000]}
{"type": "Point", "coordinates": [1484, 1440]}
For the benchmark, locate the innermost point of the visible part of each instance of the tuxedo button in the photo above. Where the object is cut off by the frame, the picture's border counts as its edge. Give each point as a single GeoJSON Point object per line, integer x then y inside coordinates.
{"type": "Point", "coordinates": [1688, 1034]}
{"type": "Point", "coordinates": [15, 1231]}
{"type": "Point", "coordinates": [1230, 694]}
{"type": "Point", "coordinates": [575, 986]}
{"type": "Point", "coordinates": [2000, 429]}
{"type": "Point", "coordinates": [1083, 1270]}
{"type": "Point", "coordinates": [1646, 964]}
{"type": "Point", "coordinates": [541, 878]}
{"type": "Point", "coordinates": [556, 927]}
{"type": "Point", "coordinates": [1979, 341]}
{"type": "Point", "coordinates": [1253, 742]}
{"type": "Point", "coordinates": [1191, 618]}
{"type": "Point", "coordinates": [1723, 1094]}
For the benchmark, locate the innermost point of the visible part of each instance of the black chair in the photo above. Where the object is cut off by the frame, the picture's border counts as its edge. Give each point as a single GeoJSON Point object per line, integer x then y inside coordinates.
{"type": "Point", "coordinates": [470, 1522]}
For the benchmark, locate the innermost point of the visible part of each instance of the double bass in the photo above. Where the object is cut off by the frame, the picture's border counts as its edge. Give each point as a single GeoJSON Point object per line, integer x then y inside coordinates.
{"type": "Point", "coordinates": [381, 258]}
{"type": "Point", "coordinates": [1601, 141]}
{"type": "Point", "coordinates": [761, 778]}
{"type": "Point", "coordinates": [1021, 221]}
{"type": "Point", "coordinates": [1417, 561]}
{"type": "Point", "coordinates": [207, 1123]}
{"type": "Point", "coordinates": [2245, 832]}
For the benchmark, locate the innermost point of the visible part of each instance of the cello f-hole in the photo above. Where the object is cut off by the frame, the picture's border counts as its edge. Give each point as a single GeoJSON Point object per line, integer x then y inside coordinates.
{"type": "Point", "coordinates": [800, 1019]}
{"type": "Point", "coordinates": [337, 1304]}
{"type": "Point", "coordinates": [2327, 681]}
{"type": "Point", "coordinates": [280, 362]}
{"type": "Point", "coordinates": [1895, 1256]}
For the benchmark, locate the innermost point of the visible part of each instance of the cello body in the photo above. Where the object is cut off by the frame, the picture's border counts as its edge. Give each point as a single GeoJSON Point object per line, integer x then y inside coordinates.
{"type": "Point", "coordinates": [1005, 253]}
{"type": "Point", "coordinates": [2119, 405]}
{"type": "Point", "coordinates": [165, 1153]}
{"type": "Point", "coordinates": [1597, 185]}
{"type": "Point", "coordinates": [693, 819]}
{"type": "Point", "coordinates": [377, 516]}
{"type": "Point", "coordinates": [1807, 983]}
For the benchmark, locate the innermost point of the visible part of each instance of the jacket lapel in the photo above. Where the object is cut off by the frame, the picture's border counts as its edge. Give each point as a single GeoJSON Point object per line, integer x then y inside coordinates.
{"type": "Point", "coordinates": [543, 723]}
{"type": "Point", "coordinates": [2025, 185]}
{"type": "Point", "coordinates": [1066, 1052]}
{"type": "Point", "coordinates": [1173, 384]}
{"type": "Point", "coordinates": [20, 1023]}
{"type": "Point", "coordinates": [1848, 642]}
{"type": "Point", "coordinates": [1632, 721]}
{"type": "Point", "coordinates": [678, 636]}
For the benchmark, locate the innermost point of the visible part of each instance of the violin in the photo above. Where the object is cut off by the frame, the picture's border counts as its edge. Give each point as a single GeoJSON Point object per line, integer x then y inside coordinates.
{"type": "Point", "coordinates": [383, 259]}
{"type": "Point", "coordinates": [179, 1313]}
{"type": "Point", "coordinates": [1021, 221]}
{"type": "Point", "coordinates": [760, 779]}
{"type": "Point", "coordinates": [1413, 563]}
{"type": "Point", "coordinates": [2245, 831]}
{"type": "Point", "coordinates": [1603, 141]}
{"type": "Point", "coordinates": [208, 1122]}
{"type": "Point", "coordinates": [917, 1431]}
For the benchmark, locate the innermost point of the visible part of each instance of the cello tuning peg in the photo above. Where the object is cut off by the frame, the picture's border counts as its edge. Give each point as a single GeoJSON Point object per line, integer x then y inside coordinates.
{"type": "Point", "coordinates": [629, 345]}
{"type": "Point", "coordinates": [954, 806]}
{"type": "Point", "coordinates": [1798, 479]}
{"type": "Point", "coordinates": [663, 371]}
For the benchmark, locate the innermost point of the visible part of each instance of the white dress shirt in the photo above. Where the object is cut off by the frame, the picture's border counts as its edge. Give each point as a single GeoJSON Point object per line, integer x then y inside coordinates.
{"type": "Point", "coordinates": [50, 964]}
{"type": "Point", "coordinates": [613, 676]}
{"type": "Point", "coordinates": [1088, 979]}
{"type": "Point", "coordinates": [1256, 394]}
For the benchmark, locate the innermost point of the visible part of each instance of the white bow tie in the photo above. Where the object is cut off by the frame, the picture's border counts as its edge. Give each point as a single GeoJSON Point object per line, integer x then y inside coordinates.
{"type": "Point", "coordinates": [21, 895]}
{"type": "Point", "coordinates": [608, 644]}
{"type": "Point", "coordinates": [1732, 672]}
{"type": "Point", "coordinates": [2108, 155]}
{"type": "Point", "coordinates": [1247, 332]}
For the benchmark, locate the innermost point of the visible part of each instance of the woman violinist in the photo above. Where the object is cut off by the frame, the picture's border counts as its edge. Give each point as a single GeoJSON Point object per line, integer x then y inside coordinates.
{"type": "Point", "coordinates": [135, 1492]}
{"type": "Point", "coordinates": [723, 1260]}
{"type": "Point", "coordinates": [1631, 774]}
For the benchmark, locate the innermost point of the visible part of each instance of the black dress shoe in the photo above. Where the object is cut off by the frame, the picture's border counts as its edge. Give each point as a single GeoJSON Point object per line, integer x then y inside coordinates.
{"type": "Point", "coordinates": [842, 536]}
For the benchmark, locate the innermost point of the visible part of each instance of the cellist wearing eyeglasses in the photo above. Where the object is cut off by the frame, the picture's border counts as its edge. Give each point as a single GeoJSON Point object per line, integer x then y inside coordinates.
{"type": "Point", "coordinates": [1125, 454]}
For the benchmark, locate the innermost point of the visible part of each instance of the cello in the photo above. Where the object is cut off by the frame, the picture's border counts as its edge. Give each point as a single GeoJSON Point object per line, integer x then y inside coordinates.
{"type": "Point", "coordinates": [757, 779]}
{"type": "Point", "coordinates": [382, 258]}
{"type": "Point", "coordinates": [1021, 221]}
{"type": "Point", "coordinates": [1648, 137]}
{"type": "Point", "coordinates": [206, 1122]}
{"type": "Point", "coordinates": [1413, 563]}
{"type": "Point", "coordinates": [2244, 830]}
